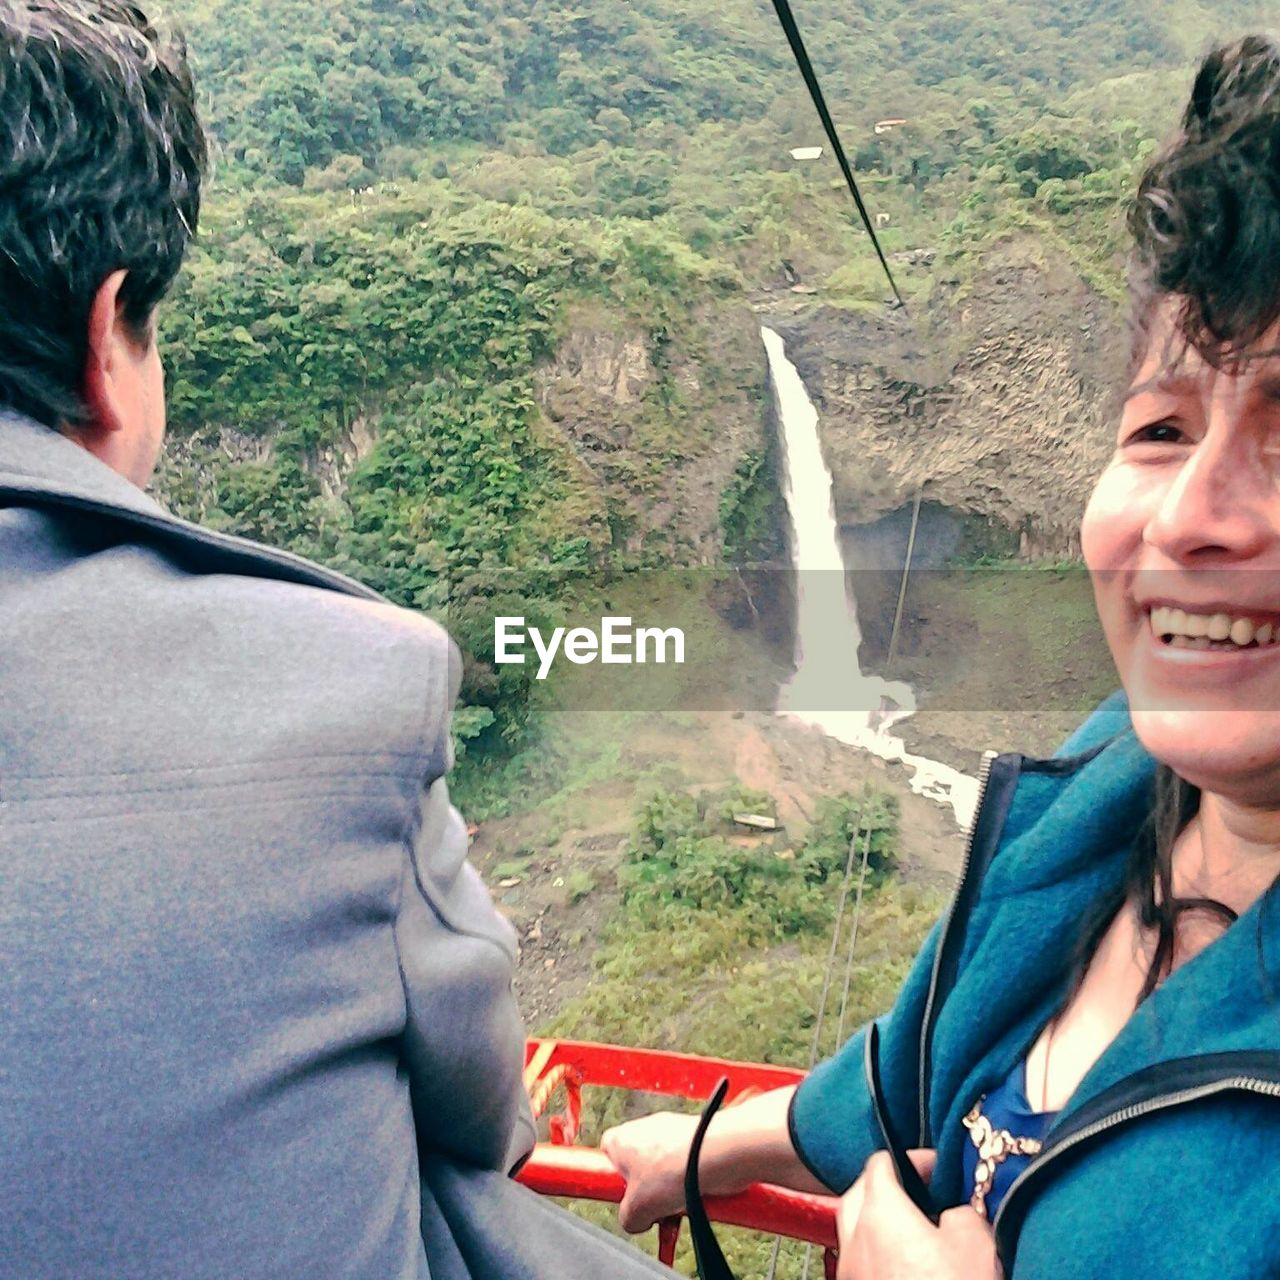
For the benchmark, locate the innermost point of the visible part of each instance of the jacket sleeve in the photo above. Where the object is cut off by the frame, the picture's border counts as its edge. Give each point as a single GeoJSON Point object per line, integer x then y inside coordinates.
{"type": "Point", "coordinates": [832, 1123]}
{"type": "Point", "coordinates": [463, 1047]}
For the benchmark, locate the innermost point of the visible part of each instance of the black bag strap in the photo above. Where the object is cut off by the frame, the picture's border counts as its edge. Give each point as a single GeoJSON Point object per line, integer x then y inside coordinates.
{"type": "Point", "coordinates": [912, 1183]}
{"type": "Point", "coordinates": [711, 1262]}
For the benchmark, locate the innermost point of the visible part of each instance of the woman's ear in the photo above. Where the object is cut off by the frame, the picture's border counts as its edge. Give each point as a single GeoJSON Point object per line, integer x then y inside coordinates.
{"type": "Point", "coordinates": [108, 331]}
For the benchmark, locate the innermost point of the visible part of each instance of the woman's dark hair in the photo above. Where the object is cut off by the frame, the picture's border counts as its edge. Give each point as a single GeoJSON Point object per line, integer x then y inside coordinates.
{"type": "Point", "coordinates": [102, 158]}
{"type": "Point", "coordinates": [1206, 219]}
{"type": "Point", "coordinates": [1151, 874]}
{"type": "Point", "coordinates": [1148, 885]}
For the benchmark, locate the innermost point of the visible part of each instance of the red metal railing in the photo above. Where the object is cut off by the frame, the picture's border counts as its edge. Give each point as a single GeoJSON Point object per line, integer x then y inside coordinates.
{"type": "Point", "coordinates": [560, 1168]}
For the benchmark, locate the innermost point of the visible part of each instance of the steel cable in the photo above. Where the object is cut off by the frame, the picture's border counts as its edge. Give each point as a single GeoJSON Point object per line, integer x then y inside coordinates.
{"type": "Point", "coordinates": [863, 835]}
{"type": "Point", "coordinates": [785, 16]}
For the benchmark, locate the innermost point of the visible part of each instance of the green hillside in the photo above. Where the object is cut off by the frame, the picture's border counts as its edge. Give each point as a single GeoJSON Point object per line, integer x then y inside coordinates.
{"type": "Point", "coordinates": [295, 85]}
{"type": "Point", "coordinates": [419, 206]}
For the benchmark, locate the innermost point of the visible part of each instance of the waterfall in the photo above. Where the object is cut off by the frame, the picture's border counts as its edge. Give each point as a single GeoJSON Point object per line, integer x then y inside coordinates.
{"type": "Point", "coordinates": [829, 690]}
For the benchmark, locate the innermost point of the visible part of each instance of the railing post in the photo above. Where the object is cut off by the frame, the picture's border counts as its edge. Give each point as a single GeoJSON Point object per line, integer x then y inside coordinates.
{"type": "Point", "coordinates": [668, 1238]}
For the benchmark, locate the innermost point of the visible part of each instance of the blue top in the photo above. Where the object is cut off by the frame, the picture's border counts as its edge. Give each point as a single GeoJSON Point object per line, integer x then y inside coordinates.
{"type": "Point", "coordinates": [1005, 1135]}
{"type": "Point", "coordinates": [1166, 1158]}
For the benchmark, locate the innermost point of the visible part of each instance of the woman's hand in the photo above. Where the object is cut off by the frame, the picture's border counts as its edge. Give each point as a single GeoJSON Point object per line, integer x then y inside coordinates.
{"type": "Point", "coordinates": [746, 1142]}
{"type": "Point", "coordinates": [651, 1154]}
{"type": "Point", "coordinates": [883, 1236]}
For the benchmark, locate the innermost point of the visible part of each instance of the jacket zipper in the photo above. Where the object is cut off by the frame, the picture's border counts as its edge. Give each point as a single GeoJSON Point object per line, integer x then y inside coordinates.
{"type": "Point", "coordinates": [1122, 1115]}
{"type": "Point", "coordinates": [984, 779]}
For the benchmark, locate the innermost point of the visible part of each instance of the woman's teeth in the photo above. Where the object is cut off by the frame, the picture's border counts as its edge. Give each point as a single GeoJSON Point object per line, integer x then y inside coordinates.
{"type": "Point", "coordinates": [1183, 630]}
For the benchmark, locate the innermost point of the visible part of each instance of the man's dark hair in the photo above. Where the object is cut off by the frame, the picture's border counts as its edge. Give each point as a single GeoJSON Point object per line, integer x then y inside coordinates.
{"type": "Point", "coordinates": [102, 159]}
{"type": "Point", "coordinates": [1206, 220]}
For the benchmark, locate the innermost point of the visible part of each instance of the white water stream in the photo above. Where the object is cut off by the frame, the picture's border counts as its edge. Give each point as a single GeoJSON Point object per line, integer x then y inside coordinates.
{"type": "Point", "coordinates": [828, 689]}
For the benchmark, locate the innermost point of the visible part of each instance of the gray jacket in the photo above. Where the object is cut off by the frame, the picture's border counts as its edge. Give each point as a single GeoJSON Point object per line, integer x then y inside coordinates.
{"type": "Point", "coordinates": [256, 1002]}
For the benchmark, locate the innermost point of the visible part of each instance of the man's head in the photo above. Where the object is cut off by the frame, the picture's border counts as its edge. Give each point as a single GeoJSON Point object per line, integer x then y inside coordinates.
{"type": "Point", "coordinates": [102, 158]}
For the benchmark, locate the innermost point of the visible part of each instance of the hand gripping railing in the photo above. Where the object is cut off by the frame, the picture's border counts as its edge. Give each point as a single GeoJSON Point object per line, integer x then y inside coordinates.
{"type": "Point", "coordinates": [559, 1168]}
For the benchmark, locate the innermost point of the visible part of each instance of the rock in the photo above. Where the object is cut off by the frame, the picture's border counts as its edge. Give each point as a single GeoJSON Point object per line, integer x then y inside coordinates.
{"type": "Point", "coordinates": [914, 257]}
{"type": "Point", "coordinates": [596, 397]}
{"type": "Point", "coordinates": [1004, 384]}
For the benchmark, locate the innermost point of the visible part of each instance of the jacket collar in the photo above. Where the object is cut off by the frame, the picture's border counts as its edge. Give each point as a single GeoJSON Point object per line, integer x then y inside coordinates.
{"type": "Point", "coordinates": [43, 469]}
{"type": "Point", "coordinates": [1088, 808]}
{"type": "Point", "coordinates": [42, 461]}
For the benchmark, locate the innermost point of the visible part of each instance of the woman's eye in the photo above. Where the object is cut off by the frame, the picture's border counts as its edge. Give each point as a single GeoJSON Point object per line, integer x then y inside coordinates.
{"type": "Point", "coordinates": [1156, 433]}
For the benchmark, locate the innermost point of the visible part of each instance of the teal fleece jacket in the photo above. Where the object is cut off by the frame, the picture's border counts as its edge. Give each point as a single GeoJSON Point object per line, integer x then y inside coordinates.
{"type": "Point", "coordinates": [1166, 1160]}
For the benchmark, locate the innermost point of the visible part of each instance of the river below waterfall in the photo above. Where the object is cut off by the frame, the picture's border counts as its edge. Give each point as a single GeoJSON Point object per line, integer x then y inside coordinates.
{"type": "Point", "coordinates": [829, 689]}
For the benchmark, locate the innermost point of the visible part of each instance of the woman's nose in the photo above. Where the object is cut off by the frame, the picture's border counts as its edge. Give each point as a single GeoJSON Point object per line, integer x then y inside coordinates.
{"type": "Point", "coordinates": [1221, 504]}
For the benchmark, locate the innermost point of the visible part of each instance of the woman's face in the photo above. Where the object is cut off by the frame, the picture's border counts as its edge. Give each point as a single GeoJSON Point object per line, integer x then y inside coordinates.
{"type": "Point", "coordinates": [1182, 537]}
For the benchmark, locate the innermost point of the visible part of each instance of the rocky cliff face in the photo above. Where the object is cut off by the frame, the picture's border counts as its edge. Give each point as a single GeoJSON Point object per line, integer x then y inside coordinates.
{"type": "Point", "coordinates": [658, 428]}
{"type": "Point", "coordinates": [195, 459]}
{"type": "Point", "coordinates": [999, 401]}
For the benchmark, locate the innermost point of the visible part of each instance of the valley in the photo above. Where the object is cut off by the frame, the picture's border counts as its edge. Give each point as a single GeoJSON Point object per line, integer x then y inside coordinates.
{"type": "Point", "coordinates": [475, 317]}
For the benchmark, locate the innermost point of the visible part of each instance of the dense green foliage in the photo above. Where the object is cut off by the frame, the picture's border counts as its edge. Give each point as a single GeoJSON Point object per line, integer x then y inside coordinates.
{"type": "Point", "coordinates": [698, 902]}
{"type": "Point", "coordinates": [725, 954]}
{"type": "Point", "coordinates": [683, 853]}
{"type": "Point", "coordinates": [373, 79]}
{"type": "Point", "coordinates": [749, 515]}
{"type": "Point", "coordinates": [668, 109]}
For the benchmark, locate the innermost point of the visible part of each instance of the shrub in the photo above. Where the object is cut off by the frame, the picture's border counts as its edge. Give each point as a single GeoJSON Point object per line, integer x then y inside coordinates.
{"type": "Point", "coordinates": [681, 859]}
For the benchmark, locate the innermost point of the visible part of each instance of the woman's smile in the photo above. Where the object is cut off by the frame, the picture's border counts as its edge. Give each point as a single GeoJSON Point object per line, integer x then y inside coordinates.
{"type": "Point", "coordinates": [1190, 644]}
{"type": "Point", "coordinates": [1213, 628]}
{"type": "Point", "coordinates": [1188, 663]}
{"type": "Point", "coordinates": [1176, 652]}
